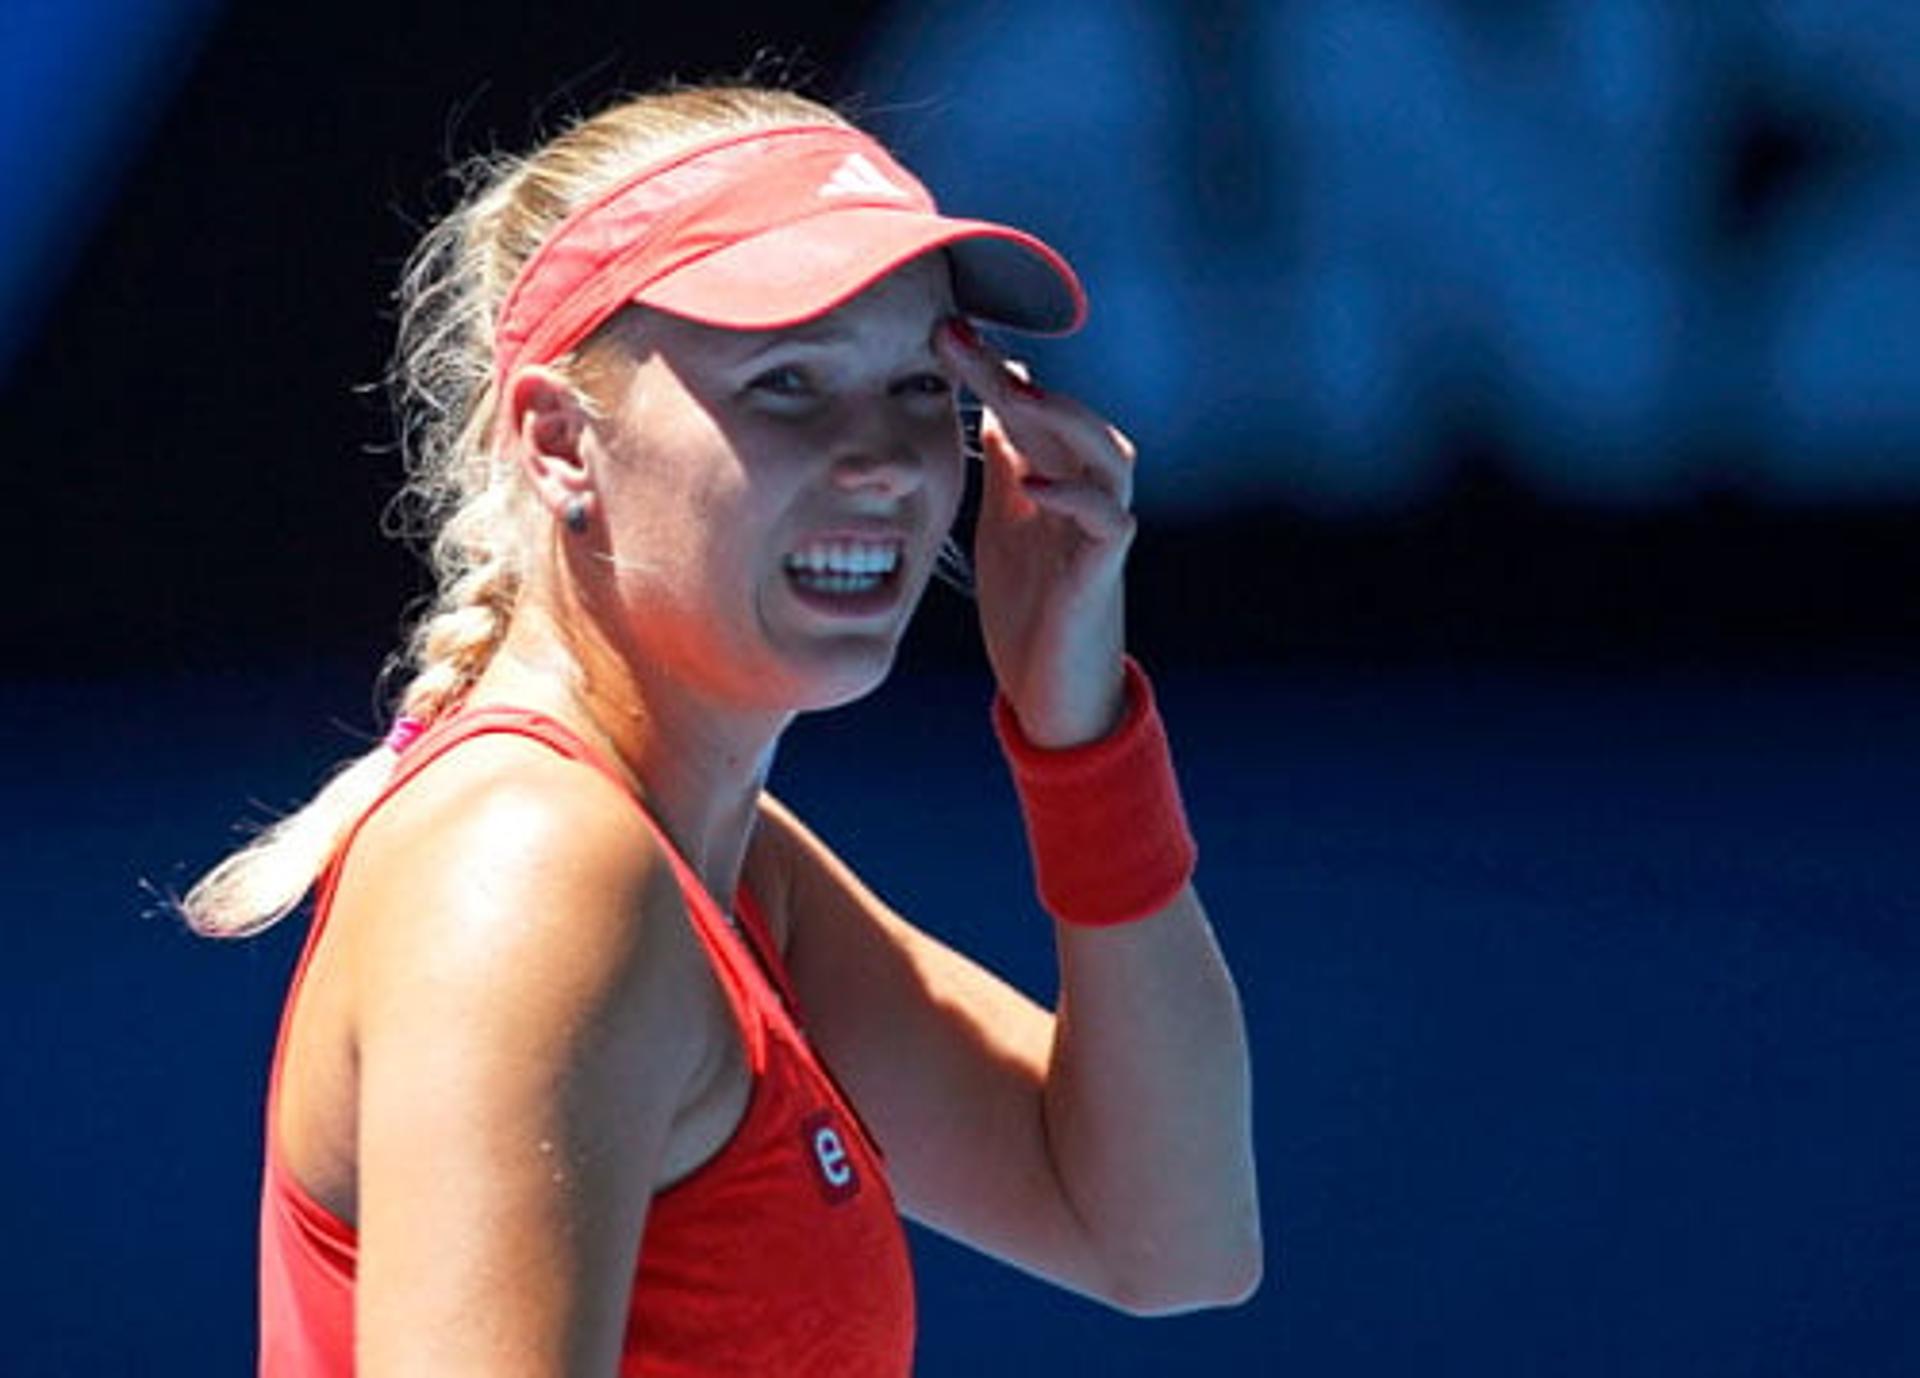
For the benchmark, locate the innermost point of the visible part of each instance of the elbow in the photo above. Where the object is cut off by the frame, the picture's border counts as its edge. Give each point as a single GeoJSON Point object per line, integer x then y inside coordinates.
{"type": "Point", "coordinates": [1244, 1284]}
{"type": "Point", "coordinates": [1231, 1280]}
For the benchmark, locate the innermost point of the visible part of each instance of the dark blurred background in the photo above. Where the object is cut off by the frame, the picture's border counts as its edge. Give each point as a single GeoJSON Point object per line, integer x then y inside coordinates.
{"type": "Point", "coordinates": [1529, 397]}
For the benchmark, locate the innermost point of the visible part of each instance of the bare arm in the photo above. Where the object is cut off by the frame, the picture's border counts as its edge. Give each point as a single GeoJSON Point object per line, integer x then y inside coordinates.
{"type": "Point", "coordinates": [1108, 1145]}
{"type": "Point", "coordinates": [522, 1050]}
{"type": "Point", "coordinates": [1108, 1148]}
{"type": "Point", "coordinates": [1148, 1107]}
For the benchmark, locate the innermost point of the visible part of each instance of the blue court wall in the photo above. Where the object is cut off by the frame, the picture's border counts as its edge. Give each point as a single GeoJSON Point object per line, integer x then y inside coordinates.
{"type": "Point", "coordinates": [1582, 1012]}
{"type": "Point", "coordinates": [1644, 250]}
{"type": "Point", "coordinates": [82, 83]}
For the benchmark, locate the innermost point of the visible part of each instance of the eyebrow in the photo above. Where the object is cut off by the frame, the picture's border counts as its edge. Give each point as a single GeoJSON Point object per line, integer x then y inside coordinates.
{"type": "Point", "coordinates": [808, 332]}
{"type": "Point", "coordinates": [815, 332]}
{"type": "Point", "coordinates": [821, 328]}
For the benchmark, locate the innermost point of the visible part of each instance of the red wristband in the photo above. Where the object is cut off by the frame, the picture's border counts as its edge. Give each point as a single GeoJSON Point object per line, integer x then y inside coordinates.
{"type": "Point", "coordinates": [1105, 824]}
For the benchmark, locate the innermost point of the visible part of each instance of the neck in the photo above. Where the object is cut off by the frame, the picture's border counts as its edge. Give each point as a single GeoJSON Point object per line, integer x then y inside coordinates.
{"type": "Point", "coordinates": [698, 769]}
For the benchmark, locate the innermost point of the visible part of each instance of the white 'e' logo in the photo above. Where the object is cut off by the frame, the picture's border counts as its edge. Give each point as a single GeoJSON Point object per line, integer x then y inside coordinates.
{"type": "Point", "coordinates": [832, 1156]}
{"type": "Point", "coordinates": [839, 1177]}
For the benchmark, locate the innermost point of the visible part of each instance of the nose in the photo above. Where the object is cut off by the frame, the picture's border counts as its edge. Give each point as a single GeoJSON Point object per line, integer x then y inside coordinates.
{"type": "Point", "coordinates": [878, 454]}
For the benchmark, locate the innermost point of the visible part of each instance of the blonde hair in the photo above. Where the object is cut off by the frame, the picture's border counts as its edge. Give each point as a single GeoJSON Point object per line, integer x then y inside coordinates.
{"type": "Point", "coordinates": [462, 496]}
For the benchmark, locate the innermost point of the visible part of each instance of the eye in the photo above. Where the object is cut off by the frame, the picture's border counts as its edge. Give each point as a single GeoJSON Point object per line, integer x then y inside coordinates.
{"type": "Point", "coordinates": [783, 381]}
{"type": "Point", "coordinates": [924, 385]}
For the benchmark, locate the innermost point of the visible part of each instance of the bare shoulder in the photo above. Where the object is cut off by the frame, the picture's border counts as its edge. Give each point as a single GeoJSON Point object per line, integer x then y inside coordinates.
{"type": "Point", "coordinates": [503, 861]}
{"type": "Point", "coordinates": [791, 858]}
{"type": "Point", "coordinates": [801, 883]}
{"type": "Point", "coordinates": [768, 872]}
{"type": "Point", "coordinates": [525, 1035]}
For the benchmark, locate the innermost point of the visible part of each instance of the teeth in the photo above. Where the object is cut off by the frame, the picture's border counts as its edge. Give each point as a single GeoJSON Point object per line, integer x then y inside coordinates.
{"type": "Point", "coordinates": [837, 583]}
{"type": "Point", "coordinates": [858, 558]}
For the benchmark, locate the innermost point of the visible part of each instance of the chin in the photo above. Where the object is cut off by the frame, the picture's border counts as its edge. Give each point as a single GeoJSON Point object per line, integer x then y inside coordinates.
{"type": "Point", "coordinates": [833, 681]}
{"type": "Point", "coordinates": [836, 653]}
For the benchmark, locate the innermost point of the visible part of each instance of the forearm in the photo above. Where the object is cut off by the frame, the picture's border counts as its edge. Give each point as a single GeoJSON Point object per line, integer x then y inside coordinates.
{"type": "Point", "coordinates": [1147, 1108]}
{"type": "Point", "coordinates": [1146, 1100]}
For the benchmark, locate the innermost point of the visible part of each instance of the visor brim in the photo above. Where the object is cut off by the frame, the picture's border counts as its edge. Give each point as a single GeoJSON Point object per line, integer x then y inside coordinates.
{"type": "Point", "coordinates": [801, 270]}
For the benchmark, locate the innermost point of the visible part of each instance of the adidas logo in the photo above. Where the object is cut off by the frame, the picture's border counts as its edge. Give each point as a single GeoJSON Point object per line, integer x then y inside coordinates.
{"type": "Point", "coordinates": [857, 176]}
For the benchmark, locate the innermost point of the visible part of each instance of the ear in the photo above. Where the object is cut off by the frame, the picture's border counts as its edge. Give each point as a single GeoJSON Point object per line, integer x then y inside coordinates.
{"type": "Point", "coordinates": [550, 425]}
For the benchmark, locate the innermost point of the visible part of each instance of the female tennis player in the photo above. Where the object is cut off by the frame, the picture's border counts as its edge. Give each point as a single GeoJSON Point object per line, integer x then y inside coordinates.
{"type": "Point", "coordinates": [596, 1059]}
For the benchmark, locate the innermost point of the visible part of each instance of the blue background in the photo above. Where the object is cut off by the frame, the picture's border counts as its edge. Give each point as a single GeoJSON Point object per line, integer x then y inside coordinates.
{"type": "Point", "coordinates": [1644, 248]}
{"type": "Point", "coordinates": [1583, 1013]}
{"type": "Point", "coordinates": [1530, 572]}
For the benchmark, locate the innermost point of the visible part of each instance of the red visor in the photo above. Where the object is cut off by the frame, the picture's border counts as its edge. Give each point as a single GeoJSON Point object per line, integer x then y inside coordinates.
{"type": "Point", "coordinates": [764, 230]}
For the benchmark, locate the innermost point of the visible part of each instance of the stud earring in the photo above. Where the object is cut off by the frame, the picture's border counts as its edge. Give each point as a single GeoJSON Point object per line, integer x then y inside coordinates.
{"type": "Point", "coordinates": [574, 514]}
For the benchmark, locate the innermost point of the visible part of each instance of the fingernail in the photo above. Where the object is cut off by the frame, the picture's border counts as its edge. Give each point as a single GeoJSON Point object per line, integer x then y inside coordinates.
{"type": "Point", "coordinates": [1026, 387]}
{"type": "Point", "coordinates": [963, 333]}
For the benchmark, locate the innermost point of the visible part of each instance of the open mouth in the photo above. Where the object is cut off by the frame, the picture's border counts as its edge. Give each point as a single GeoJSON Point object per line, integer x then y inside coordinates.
{"type": "Point", "coordinates": [846, 569]}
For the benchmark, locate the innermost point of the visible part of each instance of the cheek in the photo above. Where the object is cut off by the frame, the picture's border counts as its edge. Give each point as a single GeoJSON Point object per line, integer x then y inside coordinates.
{"type": "Point", "coordinates": [682, 479]}
{"type": "Point", "coordinates": [671, 526]}
{"type": "Point", "coordinates": [947, 470]}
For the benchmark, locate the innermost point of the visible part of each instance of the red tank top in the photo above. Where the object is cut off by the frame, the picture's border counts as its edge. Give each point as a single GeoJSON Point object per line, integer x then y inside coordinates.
{"type": "Point", "coordinates": [783, 1254]}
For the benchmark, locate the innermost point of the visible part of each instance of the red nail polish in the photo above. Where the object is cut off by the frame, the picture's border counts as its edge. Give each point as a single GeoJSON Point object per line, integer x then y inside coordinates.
{"type": "Point", "coordinates": [1026, 387]}
{"type": "Point", "coordinates": [963, 332]}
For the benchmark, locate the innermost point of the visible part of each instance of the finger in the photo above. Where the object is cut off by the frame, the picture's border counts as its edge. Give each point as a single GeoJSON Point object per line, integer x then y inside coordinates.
{"type": "Point", "coordinates": [978, 365]}
{"type": "Point", "coordinates": [1089, 506]}
{"type": "Point", "coordinates": [988, 373]}
{"type": "Point", "coordinates": [1003, 471]}
{"type": "Point", "coordinates": [1012, 491]}
{"type": "Point", "coordinates": [1082, 437]}
{"type": "Point", "coordinates": [1058, 446]}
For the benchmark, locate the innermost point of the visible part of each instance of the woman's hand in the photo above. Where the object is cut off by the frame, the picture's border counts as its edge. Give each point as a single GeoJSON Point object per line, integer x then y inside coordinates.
{"type": "Point", "coordinates": [1051, 546]}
